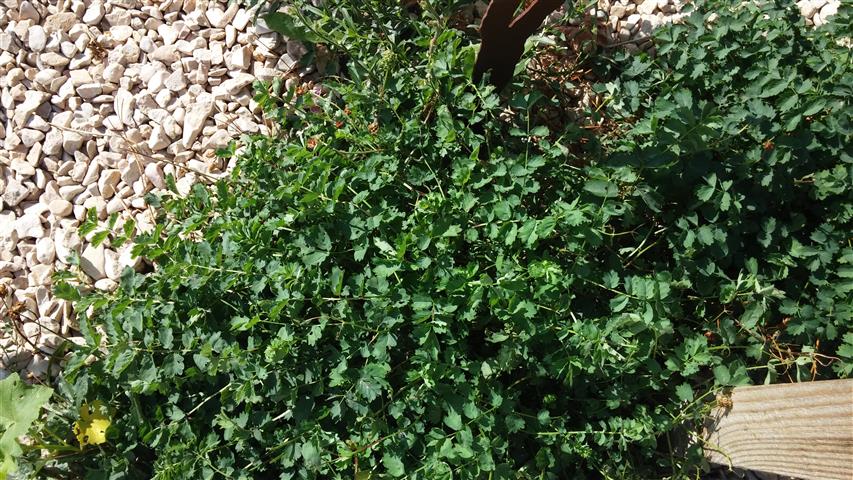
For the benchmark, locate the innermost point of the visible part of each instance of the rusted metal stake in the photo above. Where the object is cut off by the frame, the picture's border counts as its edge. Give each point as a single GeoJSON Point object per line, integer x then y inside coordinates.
{"type": "Point", "coordinates": [503, 37]}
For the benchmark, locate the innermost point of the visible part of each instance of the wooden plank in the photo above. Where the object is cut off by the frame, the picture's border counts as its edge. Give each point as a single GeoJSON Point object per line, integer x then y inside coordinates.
{"type": "Point", "coordinates": [802, 430]}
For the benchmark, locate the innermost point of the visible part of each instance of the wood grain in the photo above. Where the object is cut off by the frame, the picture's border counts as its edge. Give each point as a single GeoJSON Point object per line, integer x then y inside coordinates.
{"type": "Point", "coordinates": [802, 430]}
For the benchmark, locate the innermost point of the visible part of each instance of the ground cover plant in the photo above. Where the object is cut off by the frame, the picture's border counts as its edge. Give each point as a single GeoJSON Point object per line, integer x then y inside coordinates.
{"type": "Point", "coordinates": [417, 277]}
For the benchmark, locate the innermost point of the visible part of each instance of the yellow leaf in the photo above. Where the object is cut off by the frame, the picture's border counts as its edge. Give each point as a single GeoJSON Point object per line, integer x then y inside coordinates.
{"type": "Point", "coordinates": [91, 428]}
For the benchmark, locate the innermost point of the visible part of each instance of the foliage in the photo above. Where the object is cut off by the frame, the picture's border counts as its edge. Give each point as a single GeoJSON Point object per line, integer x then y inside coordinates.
{"type": "Point", "coordinates": [418, 278]}
{"type": "Point", "coordinates": [20, 405]}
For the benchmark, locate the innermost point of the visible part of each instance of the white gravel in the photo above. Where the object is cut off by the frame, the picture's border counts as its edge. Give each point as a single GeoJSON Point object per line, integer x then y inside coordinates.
{"type": "Point", "coordinates": [99, 101]}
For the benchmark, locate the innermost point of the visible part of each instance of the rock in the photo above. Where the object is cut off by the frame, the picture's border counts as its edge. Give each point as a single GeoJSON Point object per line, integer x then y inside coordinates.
{"type": "Point", "coordinates": [66, 242]}
{"type": "Point", "coordinates": [123, 104]}
{"type": "Point", "coordinates": [68, 192]}
{"type": "Point", "coordinates": [108, 182]}
{"type": "Point", "coordinates": [92, 262]}
{"type": "Point", "coordinates": [23, 168]}
{"type": "Point", "coordinates": [45, 251]}
{"type": "Point", "coordinates": [166, 54]}
{"type": "Point", "coordinates": [106, 285]}
{"type": "Point", "coordinates": [130, 171]}
{"type": "Point", "coordinates": [8, 237]}
{"type": "Point", "coordinates": [113, 72]}
{"type": "Point", "coordinates": [94, 13]}
{"type": "Point", "coordinates": [15, 192]}
{"type": "Point", "coordinates": [176, 81]}
{"type": "Point", "coordinates": [71, 141]}
{"type": "Point", "coordinates": [155, 175]}
{"type": "Point", "coordinates": [38, 366]}
{"type": "Point", "coordinates": [240, 59]}
{"type": "Point", "coordinates": [29, 226]}
{"type": "Point", "coordinates": [112, 264]}
{"type": "Point", "coordinates": [60, 207]}
{"type": "Point", "coordinates": [121, 33]}
{"type": "Point", "coordinates": [242, 19]}
{"type": "Point", "coordinates": [168, 33]}
{"type": "Point", "coordinates": [60, 22]}
{"type": "Point", "coordinates": [30, 137]}
{"type": "Point", "coordinates": [829, 10]}
{"type": "Point", "coordinates": [36, 38]}
{"type": "Point", "coordinates": [231, 87]}
{"type": "Point", "coordinates": [26, 11]}
{"type": "Point", "coordinates": [648, 7]}
{"type": "Point", "coordinates": [33, 100]}
{"type": "Point", "coordinates": [89, 91]}
{"type": "Point", "coordinates": [41, 275]}
{"type": "Point", "coordinates": [52, 142]}
{"type": "Point", "coordinates": [194, 119]}
{"type": "Point", "coordinates": [158, 140]}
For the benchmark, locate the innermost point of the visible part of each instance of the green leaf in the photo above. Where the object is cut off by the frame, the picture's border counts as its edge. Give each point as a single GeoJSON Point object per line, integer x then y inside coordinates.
{"type": "Point", "coordinates": [684, 392]}
{"type": "Point", "coordinates": [601, 188]}
{"type": "Point", "coordinates": [453, 420]}
{"type": "Point", "coordinates": [66, 291]}
{"type": "Point", "coordinates": [20, 405]}
{"type": "Point", "coordinates": [288, 26]}
{"type": "Point", "coordinates": [393, 465]}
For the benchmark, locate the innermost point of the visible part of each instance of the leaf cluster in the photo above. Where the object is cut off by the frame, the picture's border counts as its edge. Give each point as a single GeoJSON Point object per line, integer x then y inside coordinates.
{"type": "Point", "coordinates": [418, 279]}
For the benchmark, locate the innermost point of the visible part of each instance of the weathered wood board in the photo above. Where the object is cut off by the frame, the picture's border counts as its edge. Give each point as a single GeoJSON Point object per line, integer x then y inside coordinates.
{"type": "Point", "coordinates": [802, 430]}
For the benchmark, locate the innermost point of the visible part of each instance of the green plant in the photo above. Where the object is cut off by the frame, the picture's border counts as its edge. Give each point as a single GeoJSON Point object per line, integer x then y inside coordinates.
{"type": "Point", "coordinates": [20, 405]}
{"type": "Point", "coordinates": [384, 291]}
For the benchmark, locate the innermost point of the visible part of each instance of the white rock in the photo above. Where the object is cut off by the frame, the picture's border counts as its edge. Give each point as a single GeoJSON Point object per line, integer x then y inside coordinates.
{"type": "Point", "coordinates": [45, 251]}
{"type": "Point", "coordinates": [108, 182]}
{"type": "Point", "coordinates": [23, 168]}
{"type": "Point", "coordinates": [29, 226]}
{"type": "Point", "coordinates": [32, 101]}
{"type": "Point", "coordinates": [158, 140]}
{"type": "Point", "coordinates": [30, 137]}
{"type": "Point", "coordinates": [166, 54]}
{"type": "Point", "coordinates": [648, 7]}
{"type": "Point", "coordinates": [121, 33]}
{"type": "Point", "coordinates": [66, 242]}
{"type": "Point", "coordinates": [196, 115]}
{"type": "Point", "coordinates": [112, 264]}
{"type": "Point", "coordinates": [123, 104]}
{"type": "Point", "coordinates": [60, 22]}
{"type": "Point", "coordinates": [92, 262]}
{"type": "Point", "coordinates": [36, 38]}
{"type": "Point", "coordinates": [69, 192]}
{"type": "Point", "coordinates": [176, 81]}
{"type": "Point", "coordinates": [15, 192]}
{"type": "Point", "coordinates": [828, 10]}
{"type": "Point", "coordinates": [242, 19]}
{"type": "Point", "coordinates": [60, 207]}
{"type": "Point", "coordinates": [94, 13]}
{"type": "Point", "coordinates": [231, 87]}
{"type": "Point", "coordinates": [168, 33]}
{"type": "Point", "coordinates": [89, 91]}
{"type": "Point", "coordinates": [155, 175]}
{"type": "Point", "coordinates": [8, 236]}
{"type": "Point", "coordinates": [52, 142]}
{"type": "Point", "coordinates": [808, 8]}
{"type": "Point", "coordinates": [71, 141]}
{"type": "Point", "coordinates": [130, 171]}
{"type": "Point", "coordinates": [113, 72]}
{"type": "Point", "coordinates": [41, 275]}
{"type": "Point", "coordinates": [106, 285]}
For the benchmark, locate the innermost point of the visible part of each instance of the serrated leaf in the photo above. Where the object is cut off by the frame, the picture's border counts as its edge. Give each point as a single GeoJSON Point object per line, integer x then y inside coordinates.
{"type": "Point", "coordinates": [20, 405]}
{"type": "Point", "coordinates": [289, 27]}
{"type": "Point", "coordinates": [393, 465]}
